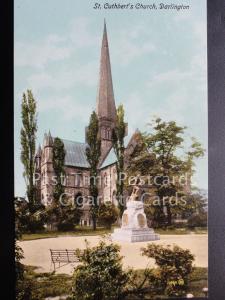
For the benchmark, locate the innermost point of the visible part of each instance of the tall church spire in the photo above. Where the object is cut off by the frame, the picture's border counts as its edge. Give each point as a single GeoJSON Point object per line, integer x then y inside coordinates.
{"type": "Point", "coordinates": [106, 108]}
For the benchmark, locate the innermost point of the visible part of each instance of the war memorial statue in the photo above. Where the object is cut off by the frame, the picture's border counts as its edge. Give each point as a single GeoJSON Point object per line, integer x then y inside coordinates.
{"type": "Point", "coordinates": [134, 223]}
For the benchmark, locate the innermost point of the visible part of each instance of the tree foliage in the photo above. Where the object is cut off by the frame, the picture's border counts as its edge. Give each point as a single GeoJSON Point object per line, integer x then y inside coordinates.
{"type": "Point", "coordinates": [100, 276]}
{"type": "Point", "coordinates": [118, 135]}
{"type": "Point", "coordinates": [61, 215]}
{"type": "Point", "coordinates": [196, 203]}
{"type": "Point", "coordinates": [27, 220]}
{"type": "Point", "coordinates": [93, 153]}
{"type": "Point", "coordinates": [107, 214]}
{"type": "Point", "coordinates": [175, 266]}
{"type": "Point", "coordinates": [28, 139]}
{"type": "Point", "coordinates": [58, 166]}
{"type": "Point", "coordinates": [62, 218]}
{"type": "Point", "coordinates": [198, 220]}
{"type": "Point", "coordinates": [163, 155]}
{"type": "Point", "coordinates": [22, 286]}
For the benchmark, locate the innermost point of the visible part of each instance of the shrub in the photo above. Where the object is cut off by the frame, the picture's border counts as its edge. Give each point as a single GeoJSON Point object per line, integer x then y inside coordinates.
{"type": "Point", "coordinates": [64, 218]}
{"type": "Point", "coordinates": [107, 214]}
{"type": "Point", "coordinates": [175, 266]}
{"type": "Point", "coordinates": [65, 226]}
{"type": "Point", "coordinates": [197, 220]}
{"type": "Point", "coordinates": [100, 276]}
{"type": "Point", "coordinates": [22, 286]}
{"type": "Point", "coordinates": [29, 218]}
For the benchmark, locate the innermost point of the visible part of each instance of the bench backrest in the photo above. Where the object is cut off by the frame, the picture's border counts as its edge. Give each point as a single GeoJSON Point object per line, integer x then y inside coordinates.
{"type": "Point", "coordinates": [63, 255]}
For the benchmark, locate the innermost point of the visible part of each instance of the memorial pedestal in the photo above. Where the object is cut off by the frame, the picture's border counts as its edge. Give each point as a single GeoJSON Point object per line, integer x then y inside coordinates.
{"type": "Point", "coordinates": [134, 225]}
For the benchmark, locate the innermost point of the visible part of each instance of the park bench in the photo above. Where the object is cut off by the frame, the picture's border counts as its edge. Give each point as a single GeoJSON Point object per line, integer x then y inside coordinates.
{"type": "Point", "coordinates": [64, 257]}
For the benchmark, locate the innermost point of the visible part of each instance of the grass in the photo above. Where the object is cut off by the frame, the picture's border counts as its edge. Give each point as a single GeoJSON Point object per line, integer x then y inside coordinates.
{"type": "Point", "coordinates": [45, 285]}
{"type": "Point", "coordinates": [198, 280]}
{"type": "Point", "coordinates": [85, 231]}
{"type": "Point", "coordinates": [184, 230]}
{"type": "Point", "coordinates": [78, 231]}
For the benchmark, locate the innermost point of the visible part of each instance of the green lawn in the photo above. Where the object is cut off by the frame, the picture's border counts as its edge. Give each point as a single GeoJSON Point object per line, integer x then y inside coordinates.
{"type": "Point", "coordinates": [185, 230]}
{"type": "Point", "coordinates": [44, 285]}
{"type": "Point", "coordinates": [199, 280]}
{"type": "Point", "coordinates": [79, 231]}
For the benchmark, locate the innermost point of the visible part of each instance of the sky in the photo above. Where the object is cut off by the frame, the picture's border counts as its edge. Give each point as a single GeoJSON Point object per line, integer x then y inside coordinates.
{"type": "Point", "coordinates": [158, 61]}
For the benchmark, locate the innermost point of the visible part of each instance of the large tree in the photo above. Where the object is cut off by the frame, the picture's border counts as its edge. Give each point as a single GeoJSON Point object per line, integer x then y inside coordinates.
{"type": "Point", "coordinates": [165, 142]}
{"type": "Point", "coordinates": [63, 215]}
{"type": "Point", "coordinates": [54, 212]}
{"type": "Point", "coordinates": [28, 139]}
{"type": "Point", "coordinates": [93, 153]}
{"type": "Point", "coordinates": [118, 135]}
{"type": "Point", "coordinates": [58, 166]}
{"type": "Point", "coordinates": [165, 158]}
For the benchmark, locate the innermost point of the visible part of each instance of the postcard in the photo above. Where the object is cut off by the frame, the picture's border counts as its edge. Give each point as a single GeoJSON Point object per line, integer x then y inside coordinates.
{"type": "Point", "coordinates": [110, 149]}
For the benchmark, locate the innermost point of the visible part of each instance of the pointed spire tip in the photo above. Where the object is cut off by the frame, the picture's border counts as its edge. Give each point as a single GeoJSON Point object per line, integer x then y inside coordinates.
{"type": "Point", "coordinates": [105, 98]}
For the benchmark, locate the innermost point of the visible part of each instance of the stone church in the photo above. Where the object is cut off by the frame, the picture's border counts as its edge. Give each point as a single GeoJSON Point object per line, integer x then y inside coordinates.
{"type": "Point", "coordinates": [76, 164]}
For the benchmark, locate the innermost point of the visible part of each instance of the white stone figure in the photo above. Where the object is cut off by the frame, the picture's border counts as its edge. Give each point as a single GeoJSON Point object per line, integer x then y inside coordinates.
{"type": "Point", "coordinates": [134, 223]}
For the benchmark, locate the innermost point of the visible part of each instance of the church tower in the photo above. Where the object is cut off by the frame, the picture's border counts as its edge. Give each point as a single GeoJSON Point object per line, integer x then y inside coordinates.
{"type": "Point", "coordinates": [106, 108]}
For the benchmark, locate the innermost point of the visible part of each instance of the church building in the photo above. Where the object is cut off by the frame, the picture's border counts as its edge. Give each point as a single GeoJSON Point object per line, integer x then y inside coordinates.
{"type": "Point", "coordinates": [76, 164]}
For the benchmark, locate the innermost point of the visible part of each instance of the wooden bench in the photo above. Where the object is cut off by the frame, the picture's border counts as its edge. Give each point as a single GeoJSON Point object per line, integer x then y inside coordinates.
{"type": "Point", "coordinates": [64, 257]}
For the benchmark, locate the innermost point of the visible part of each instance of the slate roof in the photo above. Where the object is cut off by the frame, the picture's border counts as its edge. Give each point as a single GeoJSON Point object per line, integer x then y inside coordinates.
{"type": "Point", "coordinates": [75, 154]}
{"type": "Point", "coordinates": [110, 159]}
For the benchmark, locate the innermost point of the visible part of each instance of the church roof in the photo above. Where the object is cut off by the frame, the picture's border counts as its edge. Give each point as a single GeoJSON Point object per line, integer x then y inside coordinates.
{"type": "Point", "coordinates": [75, 154]}
{"type": "Point", "coordinates": [106, 108]}
{"type": "Point", "coordinates": [110, 159]}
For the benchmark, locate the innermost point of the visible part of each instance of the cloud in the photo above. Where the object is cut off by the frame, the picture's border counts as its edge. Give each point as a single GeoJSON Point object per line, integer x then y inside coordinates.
{"type": "Point", "coordinates": [182, 96]}
{"type": "Point", "coordinates": [39, 54]}
{"type": "Point", "coordinates": [80, 33]}
{"type": "Point", "coordinates": [172, 76]}
{"type": "Point", "coordinates": [82, 75]}
{"type": "Point", "coordinates": [136, 112]}
{"type": "Point", "coordinates": [66, 105]}
{"type": "Point", "coordinates": [129, 47]}
{"type": "Point", "coordinates": [193, 77]}
{"type": "Point", "coordinates": [55, 47]}
{"type": "Point", "coordinates": [129, 51]}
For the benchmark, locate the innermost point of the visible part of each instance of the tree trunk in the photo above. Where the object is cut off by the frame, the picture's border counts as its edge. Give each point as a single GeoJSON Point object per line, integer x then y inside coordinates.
{"type": "Point", "coordinates": [94, 222]}
{"type": "Point", "coordinates": [169, 216]}
{"type": "Point", "coordinates": [31, 190]}
{"type": "Point", "coordinates": [108, 226]}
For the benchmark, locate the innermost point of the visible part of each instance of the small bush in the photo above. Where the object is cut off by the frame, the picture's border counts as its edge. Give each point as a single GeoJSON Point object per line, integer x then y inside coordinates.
{"type": "Point", "coordinates": [107, 214]}
{"type": "Point", "coordinates": [100, 276]}
{"type": "Point", "coordinates": [175, 266]}
{"type": "Point", "coordinates": [197, 220]}
{"type": "Point", "coordinates": [65, 226]}
{"type": "Point", "coordinates": [28, 218]}
{"type": "Point", "coordinates": [63, 218]}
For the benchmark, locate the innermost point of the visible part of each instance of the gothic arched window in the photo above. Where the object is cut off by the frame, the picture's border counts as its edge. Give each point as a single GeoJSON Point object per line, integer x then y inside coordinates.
{"type": "Point", "coordinates": [78, 179]}
{"type": "Point", "coordinates": [79, 201]}
{"type": "Point", "coordinates": [108, 134]}
{"type": "Point", "coordinates": [105, 179]}
{"type": "Point", "coordinates": [103, 133]}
